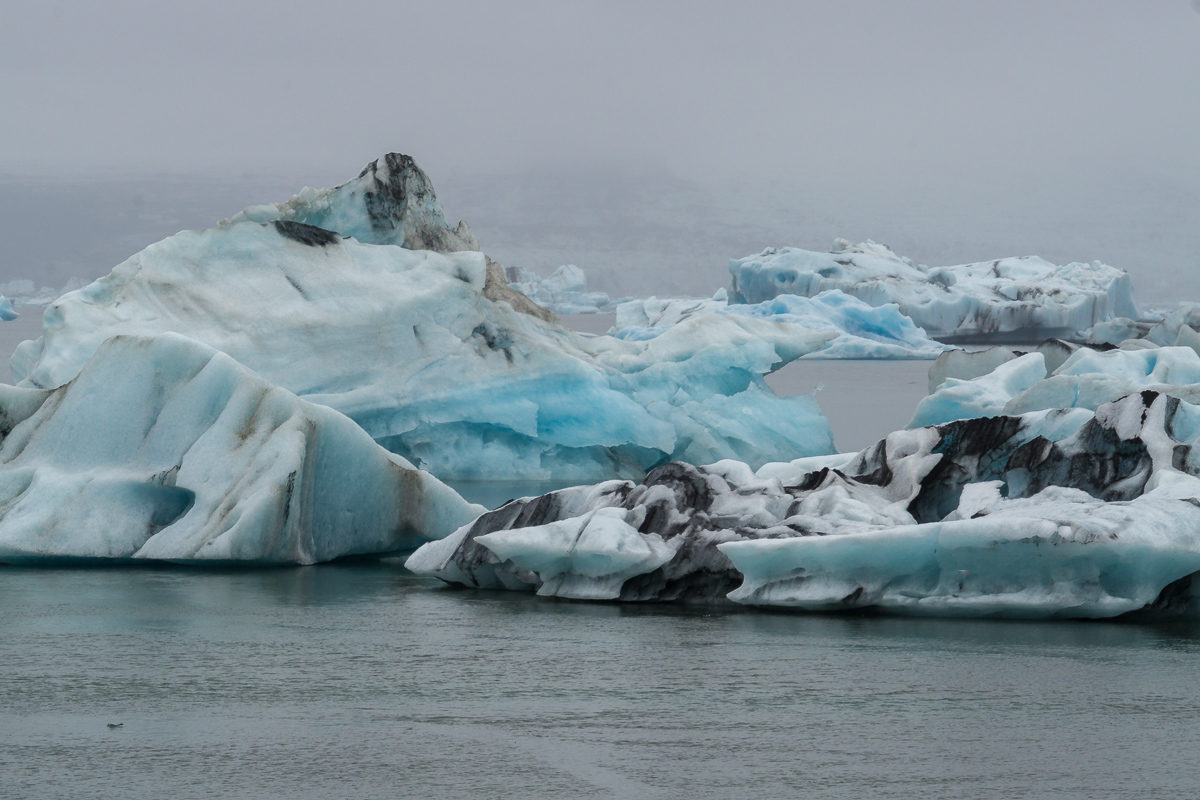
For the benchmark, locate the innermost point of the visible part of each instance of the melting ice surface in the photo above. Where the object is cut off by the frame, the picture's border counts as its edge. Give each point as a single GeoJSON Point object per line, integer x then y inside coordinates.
{"type": "Point", "coordinates": [1001, 297]}
{"type": "Point", "coordinates": [1052, 513]}
{"type": "Point", "coordinates": [164, 448]}
{"type": "Point", "coordinates": [862, 330]}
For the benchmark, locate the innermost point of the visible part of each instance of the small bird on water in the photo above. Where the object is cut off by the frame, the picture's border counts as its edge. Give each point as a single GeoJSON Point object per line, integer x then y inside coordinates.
{"type": "Point", "coordinates": [112, 725]}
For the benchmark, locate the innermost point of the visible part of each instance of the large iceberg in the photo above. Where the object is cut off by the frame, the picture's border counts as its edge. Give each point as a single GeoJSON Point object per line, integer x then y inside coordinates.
{"type": "Point", "coordinates": [1087, 379]}
{"type": "Point", "coordinates": [862, 330]}
{"type": "Point", "coordinates": [1010, 298]}
{"type": "Point", "coordinates": [1061, 513]}
{"type": "Point", "coordinates": [163, 448]}
{"type": "Point", "coordinates": [426, 352]}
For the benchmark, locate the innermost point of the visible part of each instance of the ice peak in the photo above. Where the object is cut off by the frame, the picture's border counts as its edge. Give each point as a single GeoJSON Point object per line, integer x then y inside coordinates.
{"type": "Point", "coordinates": [392, 201]}
{"type": "Point", "coordinates": [395, 191]}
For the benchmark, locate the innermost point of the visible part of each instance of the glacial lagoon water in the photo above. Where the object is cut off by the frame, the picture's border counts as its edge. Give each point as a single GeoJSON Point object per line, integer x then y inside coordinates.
{"type": "Point", "coordinates": [360, 680]}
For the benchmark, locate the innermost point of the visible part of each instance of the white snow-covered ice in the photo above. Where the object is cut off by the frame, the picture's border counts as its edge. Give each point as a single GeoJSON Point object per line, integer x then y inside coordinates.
{"type": "Point", "coordinates": [163, 448]}
{"type": "Point", "coordinates": [1007, 298]}
{"type": "Point", "coordinates": [863, 331]}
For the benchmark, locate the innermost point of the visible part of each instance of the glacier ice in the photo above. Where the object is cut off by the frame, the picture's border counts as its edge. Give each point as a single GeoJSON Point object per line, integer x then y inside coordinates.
{"type": "Point", "coordinates": [1168, 330]}
{"type": "Point", "coordinates": [863, 331]}
{"type": "Point", "coordinates": [163, 448]}
{"type": "Point", "coordinates": [1087, 379]}
{"type": "Point", "coordinates": [1115, 331]}
{"type": "Point", "coordinates": [564, 292]}
{"type": "Point", "coordinates": [983, 396]}
{"type": "Point", "coordinates": [24, 292]}
{"type": "Point", "coordinates": [968, 364]}
{"type": "Point", "coordinates": [409, 344]}
{"type": "Point", "coordinates": [1061, 513]}
{"type": "Point", "coordinates": [1176, 327]}
{"type": "Point", "coordinates": [7, 313]}
{"type": "Point", "coordinates": [392, 201]}
{"type": "Point", "coordinates": [1012, 297]}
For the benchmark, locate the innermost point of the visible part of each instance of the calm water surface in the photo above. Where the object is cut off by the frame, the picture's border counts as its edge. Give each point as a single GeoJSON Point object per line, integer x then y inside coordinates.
{"type": "Point", "coordinates": [363, 681]}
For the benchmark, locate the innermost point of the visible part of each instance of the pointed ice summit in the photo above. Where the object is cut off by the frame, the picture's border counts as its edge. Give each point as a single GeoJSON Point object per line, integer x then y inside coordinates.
{"type": "Point", "coordinates": [392, 201]}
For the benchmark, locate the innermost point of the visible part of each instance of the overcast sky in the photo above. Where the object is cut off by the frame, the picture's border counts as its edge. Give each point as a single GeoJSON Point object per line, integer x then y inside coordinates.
{"type": "Point", "coordinates": [955, 108]}
{"type": "Point", "coordinates": [748, 87]}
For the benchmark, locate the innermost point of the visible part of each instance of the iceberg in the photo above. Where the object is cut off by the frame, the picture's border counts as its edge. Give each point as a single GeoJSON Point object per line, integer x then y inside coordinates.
{"type": "Point", "coordinates": [968, 364]}
{"type": "Point", "coordinates": [1180, 324]}
{"type": "Point", "coordinates": [862, 330]}
{"type": "Point", "coordinates": [1176, 327]}
{"type": "Point", "coordinates": [7, 313]}
{"type": "Point", "coordinates": [392, 201]}
{"type": "Point", "coordinates": [1087, 379]}
{"type": "Point", "coordinates": [24, 292]}
{"type": "Point", "coordinates": [564, 292]}
{"type": "Point", "coordinates": [1061, 513]}
{"type": "Point", "coordinates": [1005, 299]}
{"type": "Point", "coordinates": [983, 396]}
{"type": "Point", "coordinates": [163, 448]}
{"type": "Point", "coordinates": [425, 351]}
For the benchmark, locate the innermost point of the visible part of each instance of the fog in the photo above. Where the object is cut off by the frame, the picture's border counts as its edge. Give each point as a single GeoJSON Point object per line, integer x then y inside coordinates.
{"type": "Point", "coordinates": [646, 142]}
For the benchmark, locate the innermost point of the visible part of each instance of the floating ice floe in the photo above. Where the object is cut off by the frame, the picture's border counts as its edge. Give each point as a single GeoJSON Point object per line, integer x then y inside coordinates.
{"type": "Point", "coordinates": [165, 449]}
{"type": "Point", "coordinates": [1010, 298]}
{"type": "Point", "coordinates": [1050, 514]}
{"type": "Point", "coordinates": [564, 292]}
{"type": "Point", "coordinates": [1087, 379]}
{"type": "Point", "coordinates": [863, 331]}
{"type": "Point", "coordinates": [430, 356]}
